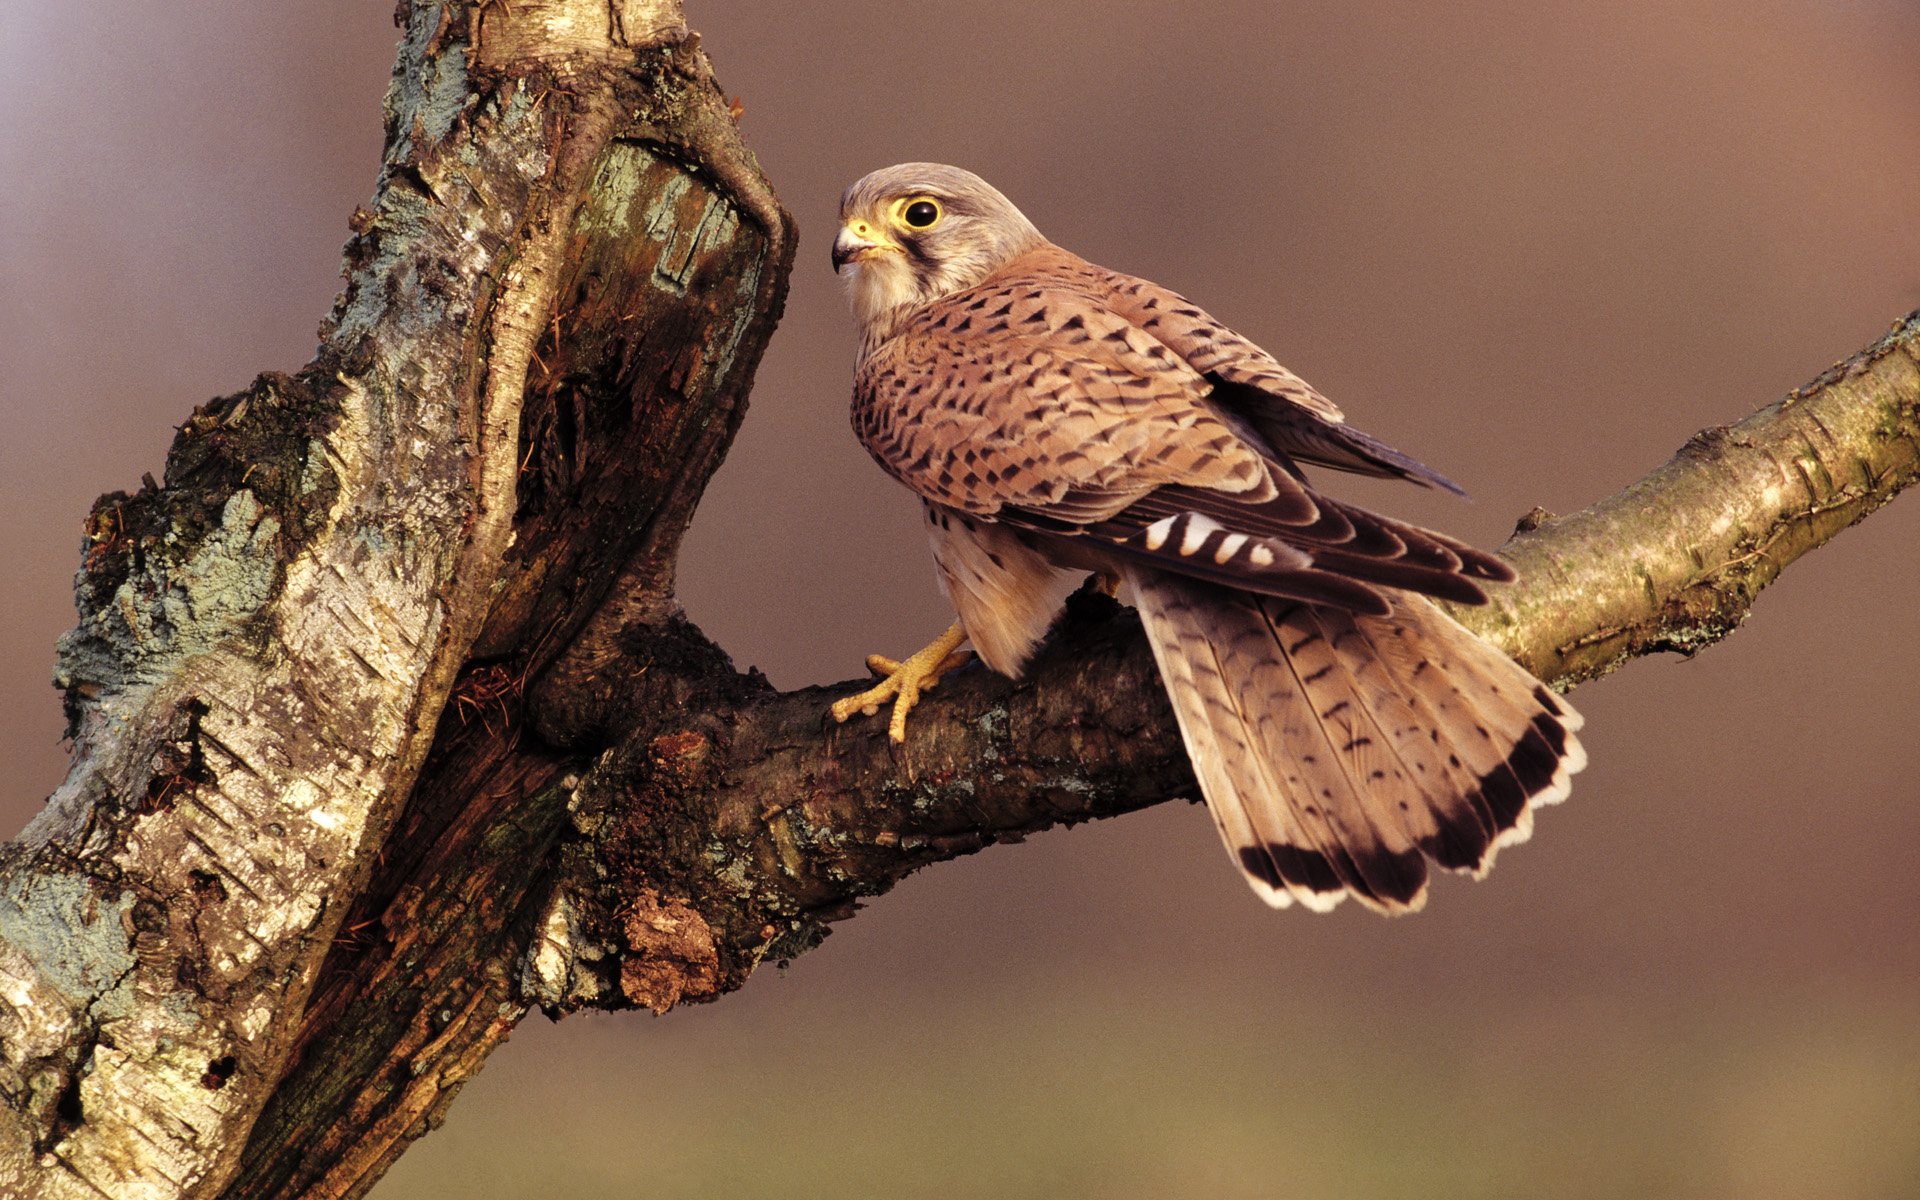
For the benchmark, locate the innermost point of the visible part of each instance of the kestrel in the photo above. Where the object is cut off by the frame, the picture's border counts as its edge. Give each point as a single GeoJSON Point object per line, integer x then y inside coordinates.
{"type": "Point", "coordinates": [1057, 418]}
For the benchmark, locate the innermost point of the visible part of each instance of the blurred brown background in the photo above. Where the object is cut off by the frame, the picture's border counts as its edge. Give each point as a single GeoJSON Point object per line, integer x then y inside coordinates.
{"type": "Point", "coordinates": [1537, 245]}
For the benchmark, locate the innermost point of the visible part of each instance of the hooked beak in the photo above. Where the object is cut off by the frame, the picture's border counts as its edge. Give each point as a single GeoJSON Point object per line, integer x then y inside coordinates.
{"type": "Point", "coordinates": [850, 246]}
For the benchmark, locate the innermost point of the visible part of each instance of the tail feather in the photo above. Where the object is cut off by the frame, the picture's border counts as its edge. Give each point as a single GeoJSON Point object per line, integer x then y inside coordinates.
{"type": "Point", "coordinates": [1222, 753]}
{"type": "Point", "coordinates": [1509, 742]}
{"type": "Point", "coordinates": [1339, 751]}
{"type": "Point", "coordinates": [1445, 819]}
{"type": "Point", "coordinates": [1334, 748]}
{"type": "Point", "coordinates": [1513, 736]}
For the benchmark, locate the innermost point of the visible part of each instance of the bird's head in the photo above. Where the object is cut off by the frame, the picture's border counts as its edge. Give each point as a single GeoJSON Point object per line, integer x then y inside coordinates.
{"type": "Point", "coordinates": [913, 233]}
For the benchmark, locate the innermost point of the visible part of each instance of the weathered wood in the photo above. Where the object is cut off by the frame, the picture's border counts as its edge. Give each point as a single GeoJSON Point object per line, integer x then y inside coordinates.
{"type": "Point", "coordinates": [675, 266]}
{"type": "Point", "coordinates": [266, 641]}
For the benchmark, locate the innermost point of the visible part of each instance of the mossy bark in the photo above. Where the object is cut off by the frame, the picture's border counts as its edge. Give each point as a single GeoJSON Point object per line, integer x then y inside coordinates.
{"type": "Point", "coordinates": [566, 277]}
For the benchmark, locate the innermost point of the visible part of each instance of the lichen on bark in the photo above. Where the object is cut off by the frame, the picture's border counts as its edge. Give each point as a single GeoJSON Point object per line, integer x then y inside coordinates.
{"type": "Point", "coordinates": [265, 645]}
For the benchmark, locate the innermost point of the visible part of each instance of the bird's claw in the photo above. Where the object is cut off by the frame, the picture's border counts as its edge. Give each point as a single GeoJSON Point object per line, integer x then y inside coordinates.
{"type": "Point", "coordinates": [903, 681]}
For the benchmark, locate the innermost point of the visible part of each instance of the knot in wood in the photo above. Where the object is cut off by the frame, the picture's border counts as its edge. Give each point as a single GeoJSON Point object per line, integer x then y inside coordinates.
{"type": "Point", "coordinates": [671, 955]}
{"type": "Point", "coordinates": [1533, 519]}
{"type": "Point", "coordinates": [678, 758]}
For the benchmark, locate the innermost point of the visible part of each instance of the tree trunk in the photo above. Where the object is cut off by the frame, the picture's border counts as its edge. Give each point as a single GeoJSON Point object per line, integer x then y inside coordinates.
{"type": "Point", "coordinates": [387, 729]}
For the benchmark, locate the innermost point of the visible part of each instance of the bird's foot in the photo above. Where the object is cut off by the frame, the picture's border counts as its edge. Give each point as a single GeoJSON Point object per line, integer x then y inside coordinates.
{"type": "Point", "coordinates": [902, 682]}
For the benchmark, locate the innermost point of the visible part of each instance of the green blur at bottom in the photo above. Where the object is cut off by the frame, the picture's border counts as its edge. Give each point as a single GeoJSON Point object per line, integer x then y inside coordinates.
{"type": "Point", "coordinates": [1200, 1096]}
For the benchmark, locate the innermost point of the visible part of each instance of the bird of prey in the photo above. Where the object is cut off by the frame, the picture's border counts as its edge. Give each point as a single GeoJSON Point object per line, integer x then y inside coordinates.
{"type": "Point", "coordinates": [1057, 418]}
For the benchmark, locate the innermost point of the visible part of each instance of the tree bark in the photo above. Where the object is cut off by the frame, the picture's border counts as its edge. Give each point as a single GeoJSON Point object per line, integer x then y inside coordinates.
{"type": "Point", "coordinates": [566, 230]}
{"type": "Point", "coordinates": [386, 726]}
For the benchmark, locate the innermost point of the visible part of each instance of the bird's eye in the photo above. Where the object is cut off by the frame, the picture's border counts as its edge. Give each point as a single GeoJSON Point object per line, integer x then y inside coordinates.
{"type": "Point", "coordinates": [921, 214]}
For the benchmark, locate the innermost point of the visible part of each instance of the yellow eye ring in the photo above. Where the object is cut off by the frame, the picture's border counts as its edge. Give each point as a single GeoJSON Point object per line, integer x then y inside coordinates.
{"type": "Point", "coordinates": [918, 212]}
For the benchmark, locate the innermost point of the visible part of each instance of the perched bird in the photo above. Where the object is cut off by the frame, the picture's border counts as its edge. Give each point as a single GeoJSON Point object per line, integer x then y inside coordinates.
{"type": "Point", "coordinates": [1057, 418]}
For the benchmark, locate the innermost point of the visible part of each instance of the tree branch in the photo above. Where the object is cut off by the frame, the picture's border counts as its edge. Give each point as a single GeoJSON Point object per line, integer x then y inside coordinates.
{"type": "Point", "coordinates": [1675, 561]}
{"type": "Point", "coordinates": [797, 819]}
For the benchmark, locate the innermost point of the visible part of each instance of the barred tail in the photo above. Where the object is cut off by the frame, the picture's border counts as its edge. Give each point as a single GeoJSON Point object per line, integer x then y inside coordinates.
{"type": "Point", "coordinates": [1338, 752]}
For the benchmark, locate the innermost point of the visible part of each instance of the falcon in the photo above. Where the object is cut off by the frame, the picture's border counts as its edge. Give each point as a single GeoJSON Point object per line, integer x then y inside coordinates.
{"type": "Point", "coordinates": [1057, 419]}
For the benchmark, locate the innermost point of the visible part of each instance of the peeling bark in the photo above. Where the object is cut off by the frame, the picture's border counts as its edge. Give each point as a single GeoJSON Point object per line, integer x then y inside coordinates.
{"type": "Point", "coordinates": [387, 728]}
{"type": "Point", "coordinates": [266, 642]}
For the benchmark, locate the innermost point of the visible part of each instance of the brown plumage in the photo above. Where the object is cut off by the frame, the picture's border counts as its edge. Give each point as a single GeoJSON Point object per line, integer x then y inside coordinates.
{"type": "Point", "coordinates": [1056, 418]}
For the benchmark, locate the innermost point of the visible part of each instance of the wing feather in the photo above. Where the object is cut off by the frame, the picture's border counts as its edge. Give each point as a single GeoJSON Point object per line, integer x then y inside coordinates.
{"type": "Point", "coordinates": [1043, 397]}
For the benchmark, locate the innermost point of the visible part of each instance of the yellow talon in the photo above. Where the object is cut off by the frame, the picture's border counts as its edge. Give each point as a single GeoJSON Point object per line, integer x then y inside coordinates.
{"type": "Point", "coordinates": [902, 682]}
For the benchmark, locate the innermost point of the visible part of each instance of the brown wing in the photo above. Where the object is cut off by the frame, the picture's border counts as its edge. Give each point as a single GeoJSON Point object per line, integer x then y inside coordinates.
{"type": "Point", "coordinates": [1020, 394]}
{"type": "Point", "coordinates": [1211, 348]}
{"type": "Point", "coordinates": [1338, 558]}
{"type": "Point", "coordinates": [1283, 408]}
{"type": "Point", "coordinates": [1028, 401]}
